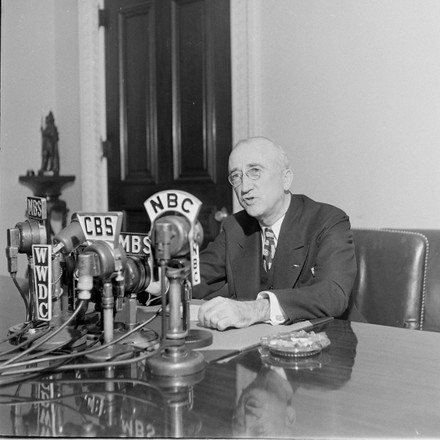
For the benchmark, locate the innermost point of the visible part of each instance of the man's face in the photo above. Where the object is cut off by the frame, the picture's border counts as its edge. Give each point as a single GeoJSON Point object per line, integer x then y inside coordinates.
{"type": "Point", "coordinates": [265, 409]}
{"type": "Point", "coordinates": [260, 414]}
{"type": "Point", "coordinates": [265, 197]}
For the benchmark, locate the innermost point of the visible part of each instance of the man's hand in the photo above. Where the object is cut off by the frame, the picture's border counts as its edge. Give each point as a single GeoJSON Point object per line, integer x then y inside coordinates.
{"type": "Point", "coordinates": [221, 313]}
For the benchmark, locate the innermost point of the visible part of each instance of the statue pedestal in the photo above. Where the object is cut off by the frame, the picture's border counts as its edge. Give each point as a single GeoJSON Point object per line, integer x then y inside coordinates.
{"type": "Point", "coordinates": [50, 187]}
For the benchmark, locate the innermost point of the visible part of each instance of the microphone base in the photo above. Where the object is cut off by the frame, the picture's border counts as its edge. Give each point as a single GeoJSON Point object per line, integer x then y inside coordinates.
{"type": "Point", "coordinates": [67, 339]}
{"type": "Point", "coordinates": [174, 361]}
{"type": "Point", "coordinates": [143, 338]}
{"type": "Point", "coordinates": [198, 338]}
{"type": "Point", "coordinates": [113, 352]}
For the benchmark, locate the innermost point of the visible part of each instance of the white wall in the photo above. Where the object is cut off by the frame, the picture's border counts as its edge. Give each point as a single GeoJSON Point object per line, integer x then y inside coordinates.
{"type": "Point", "coordinates": [352, 89]}
{"type": "Point", "coordinates": [39, 73]}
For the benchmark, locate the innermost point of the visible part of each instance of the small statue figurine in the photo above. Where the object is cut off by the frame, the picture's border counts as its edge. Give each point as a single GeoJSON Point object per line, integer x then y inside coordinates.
{"type": "Point", "coordinates": [50, 157]}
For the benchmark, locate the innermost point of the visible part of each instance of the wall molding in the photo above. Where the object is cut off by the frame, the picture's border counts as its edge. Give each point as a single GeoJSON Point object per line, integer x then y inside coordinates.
{"type": "Point", "coordinates": [240, 69]}
{"type": "Point", "coordinates": [92, 107]}
{"type": "Point", "coordinates": [245, 110]}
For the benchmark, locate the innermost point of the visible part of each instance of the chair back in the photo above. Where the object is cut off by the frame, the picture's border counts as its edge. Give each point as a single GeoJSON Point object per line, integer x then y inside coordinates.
{"type": "Point", "coordinates": [390, 283]}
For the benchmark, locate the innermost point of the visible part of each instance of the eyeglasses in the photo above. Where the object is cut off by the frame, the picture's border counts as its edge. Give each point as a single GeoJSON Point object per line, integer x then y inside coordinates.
{"type": "Point", "coordinates": [236, 177]}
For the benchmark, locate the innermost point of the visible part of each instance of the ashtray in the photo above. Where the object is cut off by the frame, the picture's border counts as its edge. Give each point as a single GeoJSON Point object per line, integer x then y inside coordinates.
{"type": "Point", "coordinates": [295, 344]}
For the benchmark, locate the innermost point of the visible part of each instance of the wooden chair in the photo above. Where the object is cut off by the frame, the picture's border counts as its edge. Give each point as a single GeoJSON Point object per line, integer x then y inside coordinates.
{"type": "Point", "coordinates": [390, 284]}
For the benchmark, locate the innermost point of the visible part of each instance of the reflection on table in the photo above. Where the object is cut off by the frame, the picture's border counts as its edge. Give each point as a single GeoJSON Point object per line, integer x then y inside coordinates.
{"type": "Point", "coordinates": [372, 381]}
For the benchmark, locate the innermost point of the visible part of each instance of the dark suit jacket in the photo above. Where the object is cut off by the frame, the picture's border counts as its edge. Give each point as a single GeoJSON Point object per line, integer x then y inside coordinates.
{"type": "Point", "coordinates": [314, 266]}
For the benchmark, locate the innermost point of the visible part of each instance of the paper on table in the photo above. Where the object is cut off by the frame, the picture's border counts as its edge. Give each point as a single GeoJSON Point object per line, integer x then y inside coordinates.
{"type": "Point", "coordinates": [231, 339]}
{"type": "Point", "coordinates": [194, 312]}
{"type": "Point", "coordinates": [239, 339]}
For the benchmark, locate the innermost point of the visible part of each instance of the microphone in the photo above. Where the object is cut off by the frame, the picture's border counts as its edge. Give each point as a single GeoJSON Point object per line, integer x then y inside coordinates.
{"type": "Point", "coordinates": [69, 238]}
{"type": "Point", "coordinates": [176, 235]}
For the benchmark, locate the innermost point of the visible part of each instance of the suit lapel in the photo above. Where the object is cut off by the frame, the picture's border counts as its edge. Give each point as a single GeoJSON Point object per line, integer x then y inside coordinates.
{"type": "Point", "coordinates": [291, 250]}
{"type": "Point", "coordinates": [246, 263]}
{"type": "Point", "coordinates": [288, 263]}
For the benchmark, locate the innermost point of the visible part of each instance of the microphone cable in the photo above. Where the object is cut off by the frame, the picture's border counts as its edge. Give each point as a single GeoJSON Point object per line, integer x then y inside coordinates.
{"type": "Point", "coordinates": [67, 367]}
{"type": "Point", "coordinates": [47, 338]}
{"type": "Point", "coordinates": [8, 366]}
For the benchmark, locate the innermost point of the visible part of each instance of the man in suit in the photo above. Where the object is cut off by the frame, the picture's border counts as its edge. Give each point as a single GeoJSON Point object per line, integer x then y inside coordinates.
{"type": "Point", "coordinates": [304, 267]}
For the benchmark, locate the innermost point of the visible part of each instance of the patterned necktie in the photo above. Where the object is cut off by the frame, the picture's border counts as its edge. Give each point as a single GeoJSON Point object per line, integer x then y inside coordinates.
{"type": "Point", "coordinates": [268, 248]}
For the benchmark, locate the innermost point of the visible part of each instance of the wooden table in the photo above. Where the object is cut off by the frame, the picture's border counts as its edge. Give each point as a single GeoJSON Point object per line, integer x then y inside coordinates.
{"type": "Point", "coordinates": [372, 381]}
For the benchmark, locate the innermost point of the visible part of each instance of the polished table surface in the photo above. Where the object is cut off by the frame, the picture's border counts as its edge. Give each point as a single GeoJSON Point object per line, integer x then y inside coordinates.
{"type": "Point", "coordinates": [372, 381]}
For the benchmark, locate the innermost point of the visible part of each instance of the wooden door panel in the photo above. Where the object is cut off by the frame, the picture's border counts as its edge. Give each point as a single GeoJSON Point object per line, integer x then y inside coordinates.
{"type": "Point", "coordinates": [192, 129]}
{"type": "Point", "coordinates": [169, 104]}
{"type": "Point", "coordinates": [138, 141]}
{"type": "Point", "coordinates": [131, 112]}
